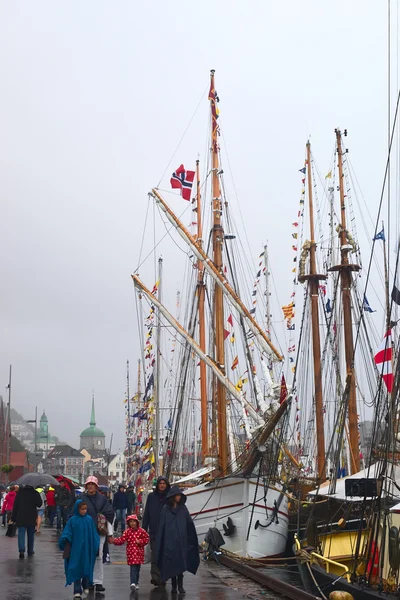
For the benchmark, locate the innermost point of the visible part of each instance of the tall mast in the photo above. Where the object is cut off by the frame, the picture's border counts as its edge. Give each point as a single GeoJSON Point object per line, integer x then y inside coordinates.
{"type": "Point", "coordinates": [314, 278]}
{"type": "Point", "coordinates": [345, 269]}
{"type": "Point", "coordinates": [157, 378]}
{"type": "Point", "coordinates": [267, 293]}
{"type": "Point", "coordinates": [202, 325]}
{"type": "Point", "coordinates": [218, 240]}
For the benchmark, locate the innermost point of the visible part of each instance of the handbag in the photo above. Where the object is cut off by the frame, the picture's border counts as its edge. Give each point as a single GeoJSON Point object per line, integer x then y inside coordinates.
{"type": "Point", "coordinates": [101, 524]}
{"type": "Point", "coordinates": [11, 530]}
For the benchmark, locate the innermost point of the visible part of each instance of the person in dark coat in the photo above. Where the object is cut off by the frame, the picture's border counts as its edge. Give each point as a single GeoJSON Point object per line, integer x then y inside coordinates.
{"type": "Point", "coordinates": [177, 543]}
{"type": "Point", "coordinates": [130, 494]}
{"type": "Point", "coordinates": [63, 500]}
{"type": "Point", "coordinates": [120, 505]}
{"type": "Point", "coordinates": [24, 514]}
{"type": "Point", "coordinates": [97, 504]}
{"type": "Point", "coordinates": [151, 518]}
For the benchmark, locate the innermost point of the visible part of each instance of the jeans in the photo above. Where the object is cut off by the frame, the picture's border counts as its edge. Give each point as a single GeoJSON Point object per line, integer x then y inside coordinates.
{"type": "Point", "coordinates": [22, 531]}
{"type": "Point", "coordinates": [120, 515]}
{"type": "Point", "coordinates": [135, 572]}
{"type": "Point", "coordinates": [98, 563]}
{"type": "Point", "coordinates": [61, 515]}
{"type": "Point", "coordinates": [78, 585]}
{"type": "Point", "coordinates": [51, 513]}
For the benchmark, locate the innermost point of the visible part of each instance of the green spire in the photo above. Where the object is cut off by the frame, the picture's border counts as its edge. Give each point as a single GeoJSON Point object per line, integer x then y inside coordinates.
{"type": "Point", "coordinates": [92, 416]}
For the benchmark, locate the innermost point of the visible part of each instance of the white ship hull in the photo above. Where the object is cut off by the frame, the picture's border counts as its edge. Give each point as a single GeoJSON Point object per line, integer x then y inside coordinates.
{"type": "Point", "coordinates": [211, 504]}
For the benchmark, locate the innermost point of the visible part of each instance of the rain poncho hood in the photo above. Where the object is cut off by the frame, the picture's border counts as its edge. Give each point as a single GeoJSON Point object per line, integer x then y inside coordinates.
{"type": "Point", "coordinates": [81, 533]}
{"type": "Point", "coordinates": [157, 489]}
{"type": "Point", "coordinates": [175, 491]}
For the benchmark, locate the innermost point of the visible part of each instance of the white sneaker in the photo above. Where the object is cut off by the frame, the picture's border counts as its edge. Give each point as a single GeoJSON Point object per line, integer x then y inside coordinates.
{"type": "Point", "coordinates": [133, 587]}
{"type": "Point", "coordinates": [77, 595]}
{"type": "Point", "coordinates": [137, 587]}
{"type": "Point", "coordinates": [86, 591]}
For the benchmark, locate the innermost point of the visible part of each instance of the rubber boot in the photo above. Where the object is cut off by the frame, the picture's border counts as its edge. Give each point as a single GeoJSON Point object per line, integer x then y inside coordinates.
{"type": "Point", "coordinates": [173, 588]}
{"type": "Point", "coordinates": [180, 585]}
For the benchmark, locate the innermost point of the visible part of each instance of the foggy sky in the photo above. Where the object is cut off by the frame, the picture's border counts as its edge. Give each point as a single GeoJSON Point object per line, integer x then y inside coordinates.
{"type": "Point", "coordinates": [94, 99]}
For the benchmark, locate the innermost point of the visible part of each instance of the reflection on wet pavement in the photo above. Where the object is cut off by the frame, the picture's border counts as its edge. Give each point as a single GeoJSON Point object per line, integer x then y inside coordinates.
{"type": "Point", "coordinates": [41, 577]}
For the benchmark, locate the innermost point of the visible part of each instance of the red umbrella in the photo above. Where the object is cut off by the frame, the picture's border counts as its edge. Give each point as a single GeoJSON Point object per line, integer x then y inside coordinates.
{"type": "Point", "coordinates": [67, 481]}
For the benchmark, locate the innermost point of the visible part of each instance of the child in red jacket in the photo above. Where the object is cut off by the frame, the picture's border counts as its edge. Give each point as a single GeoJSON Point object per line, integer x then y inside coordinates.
{"type": "Point", "coordinates": [8, 503]}
{"type": "Point", "coordinates": [136, 539]}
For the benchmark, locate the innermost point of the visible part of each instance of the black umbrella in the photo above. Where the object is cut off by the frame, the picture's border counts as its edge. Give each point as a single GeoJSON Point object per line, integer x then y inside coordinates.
{"type": "Point", "coordinates": [37, 480]}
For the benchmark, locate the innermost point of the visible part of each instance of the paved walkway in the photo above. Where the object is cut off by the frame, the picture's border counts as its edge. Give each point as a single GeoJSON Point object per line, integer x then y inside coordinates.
{"type": "Point", "coordinates": [42, 576]}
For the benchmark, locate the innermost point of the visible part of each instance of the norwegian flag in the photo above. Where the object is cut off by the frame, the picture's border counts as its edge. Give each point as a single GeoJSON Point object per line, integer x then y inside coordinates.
{"type": "Point", "coordinates": [183, 180]}
{"type": "Point", "coordinates": [383, 360]}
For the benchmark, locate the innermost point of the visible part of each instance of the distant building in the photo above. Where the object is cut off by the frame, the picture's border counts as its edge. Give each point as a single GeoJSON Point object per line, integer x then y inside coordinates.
{"type": "Point", "coordinates": [20, 462]}
{"type": "Point", "coordinates": [65, 460]}
{"type": "Point", "coordinates": [117, 468]}
{"type": "Point", "coordinates": [95, 461]}
{"type": "Point", "coordinates": [92, 438]}
{"type": "Point", "coordinates": [44, 441]}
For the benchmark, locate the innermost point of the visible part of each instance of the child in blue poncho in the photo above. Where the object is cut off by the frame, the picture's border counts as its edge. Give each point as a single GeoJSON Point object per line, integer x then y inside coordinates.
{"type": "Point", "coordinates": [80, 542]}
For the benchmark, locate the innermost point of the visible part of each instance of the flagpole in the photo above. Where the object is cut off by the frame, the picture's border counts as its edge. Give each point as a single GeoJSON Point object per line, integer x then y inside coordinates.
{"type": "Point", "coordinates": [314, 278]}
{"type": "Point", "coordinates": [8, 431]}
{"type": "Point", "coordinates": [157, 394]}
{"type": "Point", "coordinates": [202, 326]}
{"type": "Point", "coordinates": [385, 266]}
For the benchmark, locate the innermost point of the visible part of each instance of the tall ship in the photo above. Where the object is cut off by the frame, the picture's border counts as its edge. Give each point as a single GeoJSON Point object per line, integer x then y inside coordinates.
{"type": "Point", "coordinates": [213, 405]}
{"type": "Point", "coordinates": [348, 520]}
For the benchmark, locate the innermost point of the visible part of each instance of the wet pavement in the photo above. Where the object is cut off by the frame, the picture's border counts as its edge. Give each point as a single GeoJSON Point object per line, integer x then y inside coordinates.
{"type": "Point", "coordinates": [41, 577]}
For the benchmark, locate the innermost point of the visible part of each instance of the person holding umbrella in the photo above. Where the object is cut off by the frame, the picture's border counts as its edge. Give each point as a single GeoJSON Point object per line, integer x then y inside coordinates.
{"type": "Point", "coordinates": [24, 514]}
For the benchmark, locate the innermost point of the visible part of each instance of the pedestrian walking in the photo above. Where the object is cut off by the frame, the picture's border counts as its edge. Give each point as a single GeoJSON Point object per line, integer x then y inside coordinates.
{"type": "Point", "coordinates": [120, 505]}
{"type": "Point", "coordinates": [3, 495]}
{"type": "Point", "coordinates": [130, 494]}
{"type": "Point", "coordinates": [24, 514]}
{"type": "Point", "coordinates": [8, 503]}
{"type": "Point", "coordinates": [51, 505]}
{"type": "Point", "coordinates": [151, 518]}
{"type": "Point", "coordinates": [41, 509]}
{"type": "Point", "coordinates": [80, 543]}
{"type": "Point", "coordinates": [63, 502]}
{"type": "Point", "coordinates": [177, 543]}
{"type": "Point", "coordinates": [136, 539]}
{"type": "Point", "coordinates": [99, 508]}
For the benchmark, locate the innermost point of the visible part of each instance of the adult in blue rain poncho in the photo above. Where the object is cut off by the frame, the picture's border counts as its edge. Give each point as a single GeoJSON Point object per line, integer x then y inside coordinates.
{"type": "Point", "coordinates": [80, 542]}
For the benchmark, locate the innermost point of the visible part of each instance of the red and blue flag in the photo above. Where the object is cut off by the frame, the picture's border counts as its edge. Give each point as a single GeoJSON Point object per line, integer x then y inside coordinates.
{"type": "Point", "coordinates": [183, 180]}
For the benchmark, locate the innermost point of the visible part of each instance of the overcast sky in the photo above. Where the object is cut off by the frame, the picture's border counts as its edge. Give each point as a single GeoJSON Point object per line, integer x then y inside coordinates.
{"type": "Point", "coordinates": [94, 99]}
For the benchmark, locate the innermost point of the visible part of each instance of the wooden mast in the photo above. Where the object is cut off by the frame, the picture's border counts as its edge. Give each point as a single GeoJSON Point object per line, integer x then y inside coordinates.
{"type": "Point", "coordinates": [202, 325]}
{"type": "Point", "coordinates": [217, 241]}
{"type": "Point", "coordinates": [314, 279]}
{"type": "Point", "coordinates": [345, 269]}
